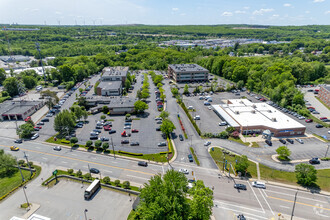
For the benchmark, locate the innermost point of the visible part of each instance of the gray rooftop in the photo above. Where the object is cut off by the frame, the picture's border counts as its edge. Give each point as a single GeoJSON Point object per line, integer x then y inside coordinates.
{"type": "Point", "coordinates": [187, 68]}
{"type": "Point", "coordinates": [14, 58]}
{"type": "Point", "coordinates": [17, 107]}
{"type": "Point", "coordinates": [110, 85]}
{"type": "Point", "coordinates": [115, 71]}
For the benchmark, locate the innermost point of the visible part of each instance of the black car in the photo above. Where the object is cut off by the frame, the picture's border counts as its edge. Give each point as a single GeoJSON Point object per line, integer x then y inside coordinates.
{"type": "Point", "coordinates": [112, 131]}
{"type": "Point", "coordinates": [128, 120]}
{"type": "Point", "coordinates": [180, 137]}
{"type": "Point", "coordinates": [98, 131]}
{"type": "Point", "coordinates": [134, 144]}
{"type": "Point", "coordinates": [240, 186]}
{"type": "Point", "coordinates": [143, 163]}
{"type": "Point", "coordinates": [282, 141]}
{"type": "Point", "coordinates": [158, 129]}
{"type": "Point", "coordinates": [314, 161]}
{"type": "Point", "coordinates": [290, 140]}
{"type": "Point", "coordinates": [45, 120]}
{"type": "Point", "coordinates": [190, 157]}
{"type": "Point", "coordinates": [94, 170]}
{"type": "Point", "coordinates": [98, 127]}
{"type": "Point", "coordinates": [269, 142]}
{"type": "Point", "coordinates": [319, 126]}
{"type": "Point", "coordinates": [124, 141]}
{"type": "Point", "coordinates": [241, 217]}
{"type": "Point", "coordinates": [93, 137]}
{"type": "Point", "coordinates": [18, 141]}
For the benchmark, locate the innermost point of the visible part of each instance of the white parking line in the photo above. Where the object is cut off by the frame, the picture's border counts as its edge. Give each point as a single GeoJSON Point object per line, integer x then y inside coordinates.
{"type": "Point", "coordinates": [266, 201]}
{"type": "Point", "coordinates": [138, 177]}
{"type": "Point", "coordinates": [64, 162]}
{"type": "Point", "coordinates": [256, 197]}
{"type": "Point", "coordinates": [107, 171]}
{"type": "Point", "coordinates": [44, 158]}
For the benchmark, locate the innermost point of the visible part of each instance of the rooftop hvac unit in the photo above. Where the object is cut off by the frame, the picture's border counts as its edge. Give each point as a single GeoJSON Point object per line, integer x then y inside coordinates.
{"type": "Point", "coordinates": [253, 111]}
{"type": "Point", "coordinates": [270, 111]}
{"type": "Point", "coordinates": [236, 112]}
{"type": "Point", "coordinates": [274, 119]}
{"type": "Point", "coordinates": [254, 106]}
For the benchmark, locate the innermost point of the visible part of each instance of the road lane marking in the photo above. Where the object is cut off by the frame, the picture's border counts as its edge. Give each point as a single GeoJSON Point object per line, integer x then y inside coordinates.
{"type": "Point", "coordinates": [299, 197]}
{"type": "Point", "coordinates": [137, 177]}
{"type": "Point", "coordinates": [256, 196]}
{"type": "Point", "coordinates": [44, 158]}
{"type": "Point", "coordinates": [64, 162]}
{"type": "Point", "coordinates": [266, 201]}
{"type": "Point", "coordinates": [286, 207]}
{"type": "Point", "coordinates": [85, 161]}
{"type": "Point", "coordinates": [295, 190]}
{"type": "Point", "coordinates": [239, 206]}
{"type": "Point", "coordinates": [238, 211]}
{"type": "Point", "coordinates": [107, 171]}
{"type": "Point", "coordinates": [301, 203]}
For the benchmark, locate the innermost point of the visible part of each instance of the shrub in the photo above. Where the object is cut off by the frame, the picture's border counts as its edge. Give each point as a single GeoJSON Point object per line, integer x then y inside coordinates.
{"type": "Point", "coordinates": [105, 145]}
{"type": "Point", "coordinates": [88, 176]}
{"type": "Point", "coordinates": [70, 172]}
{"type": "Point", "coordinates": [21, 163]}
{"type": "Point", "coordinates": [126, 184]}
{"type": "Point", "coordinates": [117, 182]}
{"type": "Point", "coordinates": [98, 143]}
{"type": "Point", "coordinates": [106, 180]}
{"type": "Point", "coordinates": [102, 117]}
{"type": "Point", "coordinates": [65, 142]}
{"type": "Point", "coordinates": [79, 173]}
{"type": "Point", "coordinates": [224, 134]}
{"type": "Point", "coordinates": [130, 153]}
{"type": "Point", "coordinates": [30, 164]}
{"type": "Point", "coordinates": [73, 140]}
{"type": "Point", "coordinates": [89, 143]}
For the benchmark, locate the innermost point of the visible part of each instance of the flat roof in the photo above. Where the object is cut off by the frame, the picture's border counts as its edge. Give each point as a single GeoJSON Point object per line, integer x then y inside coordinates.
{"type": "Point", "coordinates": [187, 68]}
{"type": "Point", "coordinates": [115, 71]}
{"type": "Point", "coordinates": [110, 85]}
{"type": "Point", "coordinates": [242, 112]}
{"type": "Point", "coordinates": [17, 107]}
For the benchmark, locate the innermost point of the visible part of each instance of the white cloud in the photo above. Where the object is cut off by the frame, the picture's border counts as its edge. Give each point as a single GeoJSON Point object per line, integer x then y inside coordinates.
{"type": "Point", "coordinates": [246, 7]}
{"type": "Point", "coordinates": [240, 12]}
{"type": "Point", "coordinates": [262, 11]}
{"type": "Point", "coordinates": [307, 12]}
{"type": "Point", "coordinates": [318, 1]}
{"type": "Point", "coordinates": [227, 13]}
{"type": "Point", "coordinates": [175, 9]}
{"type": "Point", "coordinates": [276, 15]}
{"type": "Point", "coordinates": [287, 5]}
{"type": "Point", "coordinates": [327, 12]}
{"type": "Point", "coordinates": [183, 14]}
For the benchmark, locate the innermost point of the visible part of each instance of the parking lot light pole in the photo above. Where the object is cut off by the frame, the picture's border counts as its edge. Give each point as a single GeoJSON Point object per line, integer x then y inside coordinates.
{"type": "Point", "coordinates": [27, 201]}
{"type": "Point", "coordinates": [85, 211]}
{"type": "Point", "coordinates": [327, 151]}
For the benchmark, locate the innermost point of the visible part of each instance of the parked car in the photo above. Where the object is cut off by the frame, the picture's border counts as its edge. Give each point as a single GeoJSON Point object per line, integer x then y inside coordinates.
{"type": "Point", "coordinates": [282, 141]}
{"type": "Point", "coordinates": [299, 140]}
{"type": "Point", "coordinates": [240, 186]}
{"type": "Point", "coordinates": [184, 171]}
{"type": "Point", "coordinates": [315, 112]}
{"type": "Point", "coordinates": [127, 127]}
{"type": "Point", "coordinates": [258, 184]}
{"type": "Point", "coordinates": [112, 131]}
{"type": "Point", "coordinates": [107, 127]}
{"type": "Point", "coordinates": [49, 115]}
{"type": "Point", "coordinates": [269, 142]}
{"type": "Point", "coordinates": [18, 141]}
{"type": "Point", "coordinates": [128, 124]}
{"type": "Point", "coordinates": [143, 163]}
{"type": "Point", "coordinates": [45, 120]}
{"type": "Point", "coordinates": [314, 161]}
{"type": "Point", "coordinates": [104, 139]}
{"type": "Point", "coordinates": [161, 144]}
{"type": "Point", "coordinates": [124, 141]}
{"type": "Point", "coordinates": [35, 136]}
{"type": "Point", "coordinates": [223, 123]}
{"type": "Point", "coordinates": [98, 127]}
{"type": "Point", "coordinates": [159, 122]}
{"type": "Point", "coordinates": [190, 157]}
{"type": "Point", "coordinates": [181, 137]}
{"type": "Point", "coordinates": [158, 129]}
{"type": "Point", "coordinates": [135, 130]}
{"type": "Point", "coordinates": [197, 117]}
{"type": "Point", "coordinates": [322, 118]}
{"type": "Point", "coordinates": [97, 131]}
{"type": "Point", "coordinates": [40, 123]}
{"type": "Point", "coordinates": [309, 120]}
{"type": "Point", "coordinates": [319, 126]}
{"type": "Point", "coordinates": [128, 120]}
{"type": "Point", "coordinates": [241, 217]}
{"type": "Point", "coordinates": [207, 143]}
{"type": "Point", "coordinates": [93, 137]}
{"type": "Point", "coordinates": [57, 148]}
{"type": "Point", "coordinates": [135, 144]}
{"type": "Point", "coordinates": [94, 170]}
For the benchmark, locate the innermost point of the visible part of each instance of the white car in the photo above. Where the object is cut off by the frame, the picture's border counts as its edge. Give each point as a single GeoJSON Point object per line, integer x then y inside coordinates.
{"type": "Point", "coordinates": [197, 117]}
{"type": "Point", "coordinates": [299, 140]}
{"type": "Point", "coordinates": [127, 127]}
{"type": "Point", "coordinates": [210, 108]}
{"type": "Point", "coordinates": [328, 132]}
{"type": "Point", "coordinates": [258, 184]}
{"type": "Point", "coordinates": [57, 148]}
{"type": "Point", "coordinates": [223, 123]}
{"type": "Point", "coordinates": [35, 136]}
{"type": "Point", "coordinates": [184, 171]}
{"type": "Point", "coordinates": [207, 143]}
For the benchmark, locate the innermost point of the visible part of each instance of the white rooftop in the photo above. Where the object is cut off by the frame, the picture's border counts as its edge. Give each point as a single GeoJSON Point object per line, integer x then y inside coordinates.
{"type": "Point", "coordinates": [242, 112]}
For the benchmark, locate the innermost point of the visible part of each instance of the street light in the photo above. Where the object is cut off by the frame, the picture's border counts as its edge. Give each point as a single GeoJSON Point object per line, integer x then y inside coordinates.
{"type": "Point", "coordinates": [85, 211]}
{"type": "Point", "coordinates": [27, 201]}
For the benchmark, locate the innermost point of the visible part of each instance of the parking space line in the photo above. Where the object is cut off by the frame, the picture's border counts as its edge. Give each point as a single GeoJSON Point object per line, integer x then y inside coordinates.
{"type": "Point", "coordinates": [64, 162]}
{"type": "Point", "coordinates": [256, 197]}
{"type": "Point", "coordinates": [44, 158]}
{"type": "Point", "coordinates": [266, 201]}
{"type": "Point", "coordinates": [138, 177]}
{"type": "Point", "coordinates": [286, 207]}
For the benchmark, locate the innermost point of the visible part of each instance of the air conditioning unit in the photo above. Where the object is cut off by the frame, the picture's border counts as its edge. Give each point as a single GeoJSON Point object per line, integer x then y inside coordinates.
{"type": "Point", "coordinates": [236, 112]}
{"type": "Point", "coordinates": [270, 111]}
{"type": "Point", "coordinates": [274, 119]}
{"type": "Point", "coordinates": [253, 111]}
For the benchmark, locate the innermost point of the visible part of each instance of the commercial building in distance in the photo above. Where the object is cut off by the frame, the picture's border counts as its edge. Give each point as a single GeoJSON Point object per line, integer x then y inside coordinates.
{"type": "Point", "coordinates": [185, 73]}
{"type": "Point", "coordinates": [18, 110]}
{"type": "Point", "coordinates": [116, 105]}
{"type": "Point", "coordinates": [324, 94]}
{"type": "Point", "coordinates": [112, 81]}
{"type": "Point", "coordinates": [249, 118]}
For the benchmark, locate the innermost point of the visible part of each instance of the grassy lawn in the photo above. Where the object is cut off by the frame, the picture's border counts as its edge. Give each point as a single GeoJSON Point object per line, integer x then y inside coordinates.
{"type": "Point", "coordinates": [323, 176]}
{"type": "Point", "coordinates": [255, 144]}
{"type": "Point", "coordinates": [320, 137]}
{"type": "Point", "coordinates": [238, 140]}
{"type": "Point", "coordinates": [317, 120]}
{"type": "Point", "coordinates": [9, 183]}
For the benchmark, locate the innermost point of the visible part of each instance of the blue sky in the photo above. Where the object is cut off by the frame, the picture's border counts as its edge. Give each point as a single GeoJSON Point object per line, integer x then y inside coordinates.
{"type": "Point", "coordinates": [172, 12]}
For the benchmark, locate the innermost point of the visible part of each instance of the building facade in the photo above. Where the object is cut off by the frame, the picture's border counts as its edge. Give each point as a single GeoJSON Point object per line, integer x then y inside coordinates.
{"type": "Point", "coordinates": [109, 88]}
{"type": "Point", "coordinates": [324, 94]}
{"type": "Point", "coordinates": [112, 81]}
{"type": "Point", "coordinates": [18, 110]}
{"type": "Point", "coordinates": [186, 73]}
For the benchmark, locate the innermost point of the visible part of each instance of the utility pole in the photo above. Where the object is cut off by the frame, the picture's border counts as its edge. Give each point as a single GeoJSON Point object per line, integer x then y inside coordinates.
{"type": "Point", "coordinates": [113, 149]}
{"type": "Point", "coordinates": [19, 167]}
{"type": "Point", "coordinates": [294, 204]}
{"type": "Point", "coordinates": [327, 151]}
{"type": "Point", "coordinates": [27, 201]}
{"type": "Point", "coordinates": [89, 169]}
{"type": "Point", "coordinates": [27, 161]}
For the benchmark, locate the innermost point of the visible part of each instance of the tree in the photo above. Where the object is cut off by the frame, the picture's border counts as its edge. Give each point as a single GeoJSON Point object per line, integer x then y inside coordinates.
{"type": "Point", "coordinates": [11, 86]}
{"type": "Point", "coordinates": [140, 106]}
{"type": "Point", "coordinates": [167, 127]}
{"type": "Point", "coordinates": [224, 135]}
{"type": "Point", "coordinates": [73, 140]}
{"type": "Point", "coordinates": [242, 163]}
{"type": "Point", "coordinates": [79, 173]}
{"type": "Point", "coordinates": [51, 97]}
{"type": "Point", "coordinates": [159, 85]}
{"type": "Point", "coordinates": [105, 146]}
{"type": "Point", "coordinates": [25, 130]}
{"type": "Point", "coordinates": [127, 85]}
{"type": "Point", "coordinates": [70, 172]}
{"type": "Point", "coordinates": [85, 114]}
{"type": "Point", "coordinates": [98, 143]}
{"type": "Point", "coordinates": [164, 115]}
{"type": "Point", "coordinates": [4, 93]}
{"type": "Point", "coordinates": [283, 153]}
{"type": "Point", "coordinates": [105, 109]}
{"type": "Point", "coordinates": [77, 111]}
{"type": "Point", "coordinates": [87, 176]}
{"type": "Point", "coordinates": [82, 101]}
{"type": "Point", "coordinates": [202, 201]}
{"type": "Point", "coordinates": [81, 90]}
{"type": "Point", "coordinates": [64, 122]}
{"type": "Point", "coordinates": [174, 91]}
{"type": "Point", "coordinates": [240, 84]}
{"type": "Point", "coordinates": [102, 117]}
{"type": "Point", "coordinates": [29, 81]}
{"type": "Point", "coordinates": [117, 182]}
{"type": "Point", "coordinates": [186, 89]}
{"type": "Point", "coordinates": [67, 72]}
{"type": "Point", "coordinates": [306, 174]}
{"type": "Point", "coordinates": [106, 180]}
{"type": "Point", "coordinates": [7, 165]}
{"type": "Point", "coordinates": [2, 75]}
{"type": "Point", "coordinates": [139, 94]}
{"type": "Point", "coordinates": [89, 143]}
{"type": "Point", "coordinates": [127, 116]}
{"type": "Point", "coordinates": [126, 184]}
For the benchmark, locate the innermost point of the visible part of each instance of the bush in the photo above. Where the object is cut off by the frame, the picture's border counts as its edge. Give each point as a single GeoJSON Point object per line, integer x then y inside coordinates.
{"type": "Point", "coordinates": [106, 180]}
{"type": "Point", "coordinates": [130, 153]}
{"type": "Point", "coordinates": [325, 158]}
{"type": "Point", "coordinates": [102, 117]}
{"type": "Point", "coordinates": [79, 173]}
{"type": "Point", "coordinates": [87, 176]}
{"type": "Point", "coordinates": [89, 143]}
{"type": "Point", "coordinates": [21, 163]}
{"type": "Point", "coordinates": [230, 130]}
{"type": "Point", "coordinates": [224, 135]}
{"type": "Point", "coordinates": [98, 143]}
{"type": "Point", "coordinates": [126, 184]}
{"type": "Point", "coordinates": [74, 140]}
{"type": "Point", "coordinates": [30, 164]}
{"type": "Point", "coordinates": [105, 145]}
{"type": "Point", "coordinates": [70, 172]}
{"type": "Point", "coordinates": [117, 182]}
{"type": "Point", "coordinates": [65, 142]}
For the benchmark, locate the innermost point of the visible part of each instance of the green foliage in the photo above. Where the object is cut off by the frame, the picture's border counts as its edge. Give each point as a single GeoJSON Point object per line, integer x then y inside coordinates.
{"type": "Point", "coordinates": [230, 130]}
{"type": "Point", "coordinates": [25, 130]}
{"type": "Point", "coordinates": [283, 153]}
{"type": "Point", "coordinates": [186, 89]}
{"type": "Point", "coordinates": [167, 127]}
{"type": "Point", "coordinates": [242, 164]}
{"type": "Point", "coordinates": [73, 140]}
{"type": "Point", "coordinates": [87, 176]}
{"type": "Point", "coordinates": [98, 143]}
{"type": "Point", "coordinates": [64, 122]}
{"type": "Point", "coordinates": [224, 135]}
{"type": "Point", "coordinates": [127, 85]}
{"type": "Point", "coordinates": [105, 145]}
{"type": "Point", "coordinates": [95, 87]}
{"type": "Point", "coordinates": [77, 112]}
{"type": "Point", "coordinates": [7, 164]}
{"type": "Point", "coordinates": [174, 91]}
{"type": "Point", "coordinates": [70, 172]}
{"type": "Point", "coordinates": [140, 106]}
{"type": "Point", "coordinates": [164, 115]}
{"type": "Point", "coordinates": [126, 184]}
{"type": "Point", "coordinates": [79, 173]}
{"type": "Point", "coordinates": [21, 163]}
{"type": "Point", "coordinates": [10, 84]}
{"type": "Point", "coordinates": [29, 81]}
{"type": "Point", "coordinates": [2, 75]}
{"type": "Point", "coordinates": [117, 183]}
{"type": "Point", "coordinates": [105, 109]}
{"type": "Point", "coordinates": [102, 117]}
{"type": "Point", "coordinates": [51, 97]}
{"type": "Point", "coordinates": [106, 180]}
{"type": "Point", "coordinates": [306, 174]}
{"type": "Point", "coordinates": [89, 143]}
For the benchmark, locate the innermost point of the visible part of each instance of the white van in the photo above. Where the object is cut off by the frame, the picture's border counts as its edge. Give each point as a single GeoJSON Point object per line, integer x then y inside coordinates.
{"type": "Point", "coordinates": [190, 108]}
{"type": "Point", "coordinates": [223, 123]}
{"type": "Point", "coordinates": [197, 117]}
{"type": "Point", "coordinates": [258, 184]}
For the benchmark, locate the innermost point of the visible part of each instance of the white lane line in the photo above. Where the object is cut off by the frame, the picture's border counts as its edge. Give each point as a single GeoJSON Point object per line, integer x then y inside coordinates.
{"type": "Point", "coordinates": [114, 162]}
{"type": "Point", "coordinates": [74, 154]}
{"type": "Point", "coordinates": [238, 211]}
{"type": "Point", "coordinates": [137, 177]}
{"type": "Point", "coordinates": [64, 162]}
{"type": "Point", "coordinates": [107, 171]}
{"type": "Point", "coordinates": [299, 197]}
{"type": "Point", "coordinates": [239, 206]}
{"type": "Point", "coordinates": [323, 215]}
{"type": "Point", "coordinates": [256, 197]}
{"type": "Point", "coordinates": [295, 190]}
{"type": "Point", "coordinates": [38, 147]}
{"type": "Point", "coordinates": [266, 201]}
{"type": "Point", "coordinates": [44, 158]}
{"type": "Point", "coordinates": [286, 207]}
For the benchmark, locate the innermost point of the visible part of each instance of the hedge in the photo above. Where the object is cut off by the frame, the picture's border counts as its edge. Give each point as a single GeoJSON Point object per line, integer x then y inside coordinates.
{"type": "Point", "coordinates": [65, 142]}
{"type": "Point", "coordinates": [190, 118]}
{"type": "Point", "coordinates": [130, 153]}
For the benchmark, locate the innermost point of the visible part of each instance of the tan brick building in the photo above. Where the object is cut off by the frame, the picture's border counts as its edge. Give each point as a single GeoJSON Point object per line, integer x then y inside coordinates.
{"type": "Point", "coordinates": [324, 94]}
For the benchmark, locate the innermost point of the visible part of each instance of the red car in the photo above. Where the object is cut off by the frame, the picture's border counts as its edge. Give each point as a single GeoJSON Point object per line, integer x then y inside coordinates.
{"type": "Point", "coordinates": [27, 119]}
{"type": "Point", "coordinates": [309, 120]}
{"type": "Point", "coordinates": [262, 99]}
{"type": "Point", "coordinates": [310, 107]}
{"type": "Point", "coordinates": [322, 118]}
{"type": "Point", "coordinates": [135, 130]}
{"type": "Point", "coordinates": [107, 128]}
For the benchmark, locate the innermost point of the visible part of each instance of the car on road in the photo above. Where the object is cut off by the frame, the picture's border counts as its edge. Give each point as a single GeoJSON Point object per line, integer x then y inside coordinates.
{"type": "Point", "coordinates": [299, 140]}
{"type": "Point", "coordinates": [314, 160]}
{"type": "Point", "coordinates": [104, 139]}
{"type": "Point", "coordinates": [134, 143]}
{"type": "Point", "coordinates": [240, 186]}
{"type": "Point", "coordinates": [40, 123]}
{"type": "Point", "coordinates": [135, 130]}
{"type": "Point", "coordinates": [184, 171]}
{"type": "Point", "coordinates": [319, 126]}
{"type": "Point", "coordinates": [181, 137]}
{"type": "Point", "coordinates": [190, 157]}
{"type": "Point", "coordinates": [36, 129]}
{"type": "Point", "coordinates": [210, 108]}
{"type": "Point", "coordinates": [94, 170]}
{"type": "Point", "coordinates": [143, 163]}
{"type": "Point", "coordinates": [161, 144]}
{"type": "Point", "coordinates": [112, 131]}
{"type": "Point", "coordinates": [124, 141]}
{"type": "Point", "coordinates": [290, 140]}
{"type": "Point", "coordinates": [18, 141]}
{"type": "Point", "coordinates": [14, 148]}
{"type": "Point", "coordinates": [258, 184]}
{"type": "Point", "coordinates": [35, 136]}
{"type": "Point", "coordinates": [269, 142]}
{"type": "Point", "coordinates": [241, 217]}
{"type": "Point", "coordinates": [309, 120]}
{"type": "Point", "coordinates": [207, 143]}
{"type": "Point", "coordinates": [39, 127]}
{"type": "Point", "coordinates": [45, 120]}
{"type": "Point", "coordinates": [282, 141]}
{"type": "Point", "coordinates": [57, 148]}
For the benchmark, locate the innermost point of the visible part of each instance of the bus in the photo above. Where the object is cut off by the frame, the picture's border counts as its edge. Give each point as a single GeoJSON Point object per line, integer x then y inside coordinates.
{"type": "Point", "coordinates": [95, 185]}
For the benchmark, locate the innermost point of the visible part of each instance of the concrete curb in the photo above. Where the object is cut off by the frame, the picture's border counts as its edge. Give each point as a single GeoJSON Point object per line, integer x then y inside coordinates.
{"type": "Point", "coordinates": [34, 207]}
{"type": "Point", "coordinates": [274, 157]}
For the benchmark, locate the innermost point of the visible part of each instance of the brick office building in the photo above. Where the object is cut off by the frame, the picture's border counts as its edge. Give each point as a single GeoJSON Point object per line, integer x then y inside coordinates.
{"type": "Point", "coordinates": [182, 73]}
{"type": "Point", "coordinates": [324, 94]}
